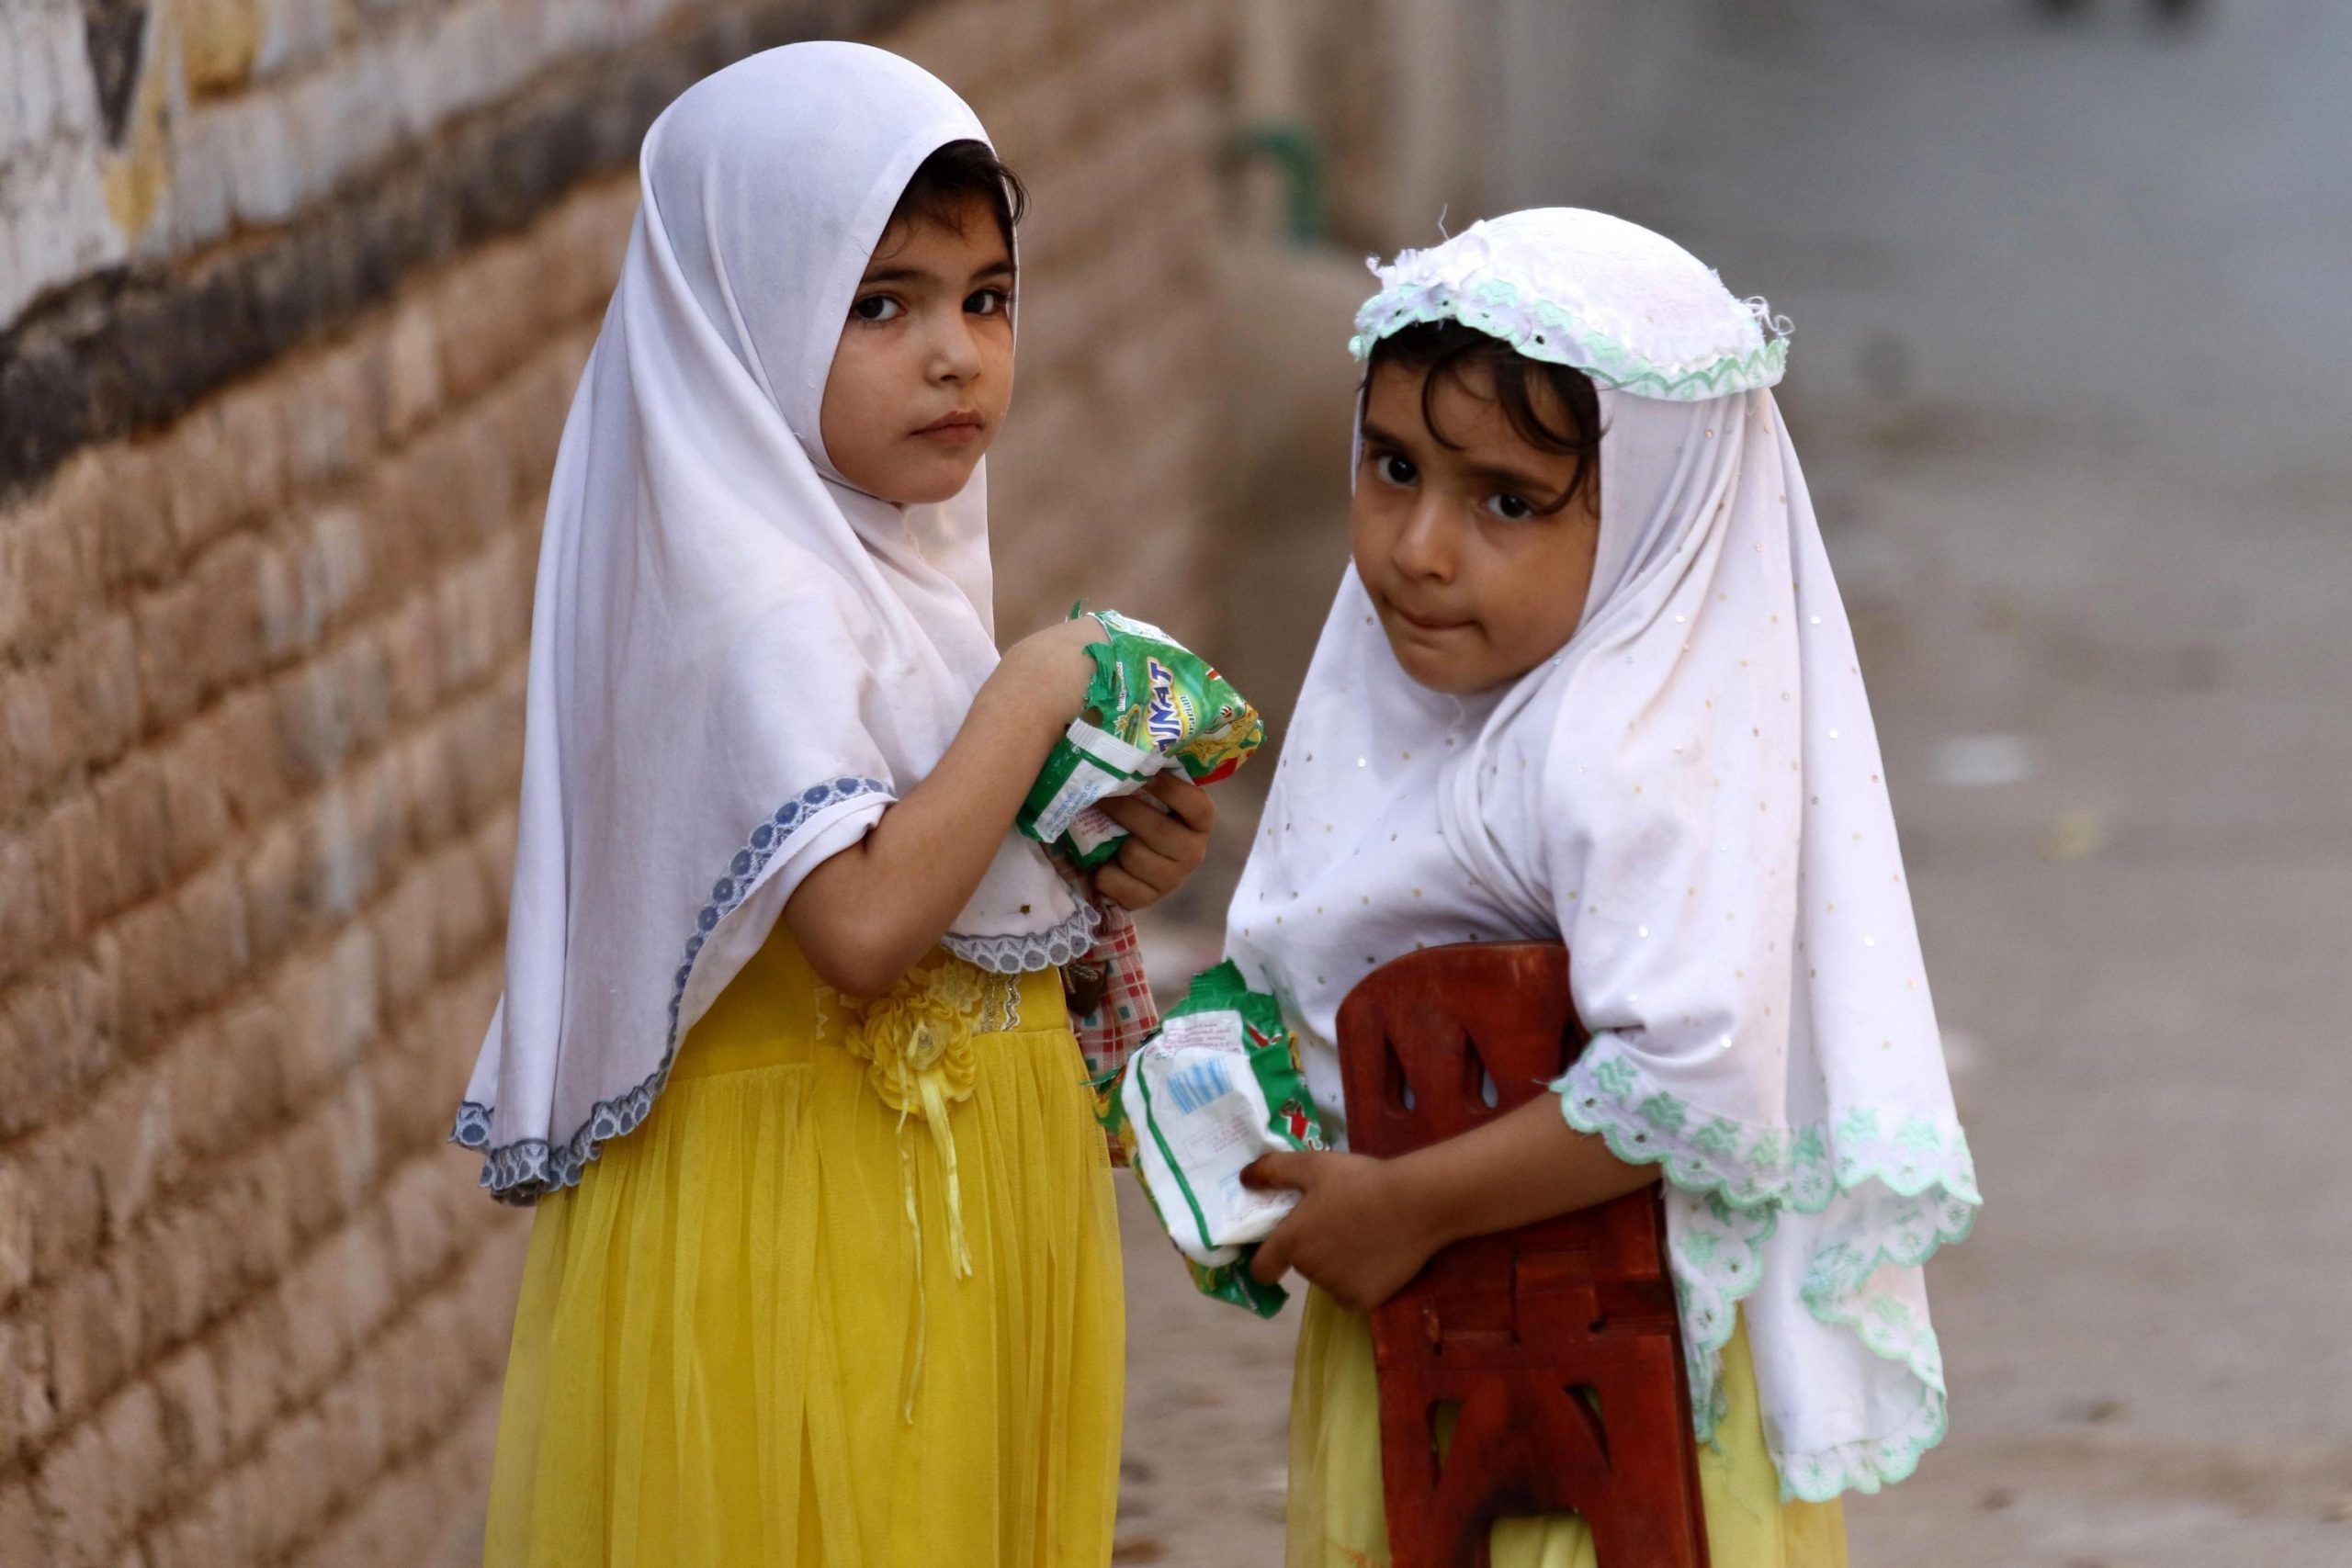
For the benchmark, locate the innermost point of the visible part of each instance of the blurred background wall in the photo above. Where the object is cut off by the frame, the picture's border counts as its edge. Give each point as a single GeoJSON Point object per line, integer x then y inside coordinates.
{"type": "Point", "coordinates": [295, 293]}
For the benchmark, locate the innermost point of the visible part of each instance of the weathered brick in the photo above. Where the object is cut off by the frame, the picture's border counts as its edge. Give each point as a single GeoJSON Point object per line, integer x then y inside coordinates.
{"type": "Point", "coordinates": [73, 871]}
{"type": "Point", "coordinates": [131, 1122]}
{"type": "Point", "coordinates": [153, 976]}
{"type": "Point", "coordinates": [253, 784]}
{"type": "Point", "coordinates": [133, 519]}
{"type": "Point", "coordinates": [45, 572]}
{"type": "Point", "coordinates": [94, 688]}
{"type": "Point", "coordinates": [216, 946]}
{"type": "Point", "coordinates": [410, 656]}
{"type": "Point", "coordinates": [327, 1002]}
{"type": "Point", "coordinates": [26, 1533]}
{"type": "Point", "coordinates": [194, 763]}
{"type": "Point", "coordinates": [338, 418]}
{"type": "Point", "coordinates": [93, 1482]}
{"type": "Point", "coordinates": [223, 1080]}
{"type": "Point", "coordinates": [275, 907]}
{"type": "Point", "coordinates": [337, 704]}
{"type": "Point", "coordinates": [28, 1403]}
{"type": "Point", "coordinates": [32, 740]}
{"type": "Point", "coordinates": [487, 316]}
{"type": "Point", "coordinates": [310, 578]}
{"type": "Point", "coordinates": [225, 462]}
{"type": "Point", "coordinates": [188, 1389]}
{"type": "Point", "coordinates": [403, 926]}
{"type": "Point", "coordinates": [209, 1530]}
{"type": "Point", "coordinates": [24, 912]}
{"type": "Point", "coordinates": [132, 816]}
{"type": "Point", "coordinates": [92, 1321]}
{"type": "Point", "coordinates": [413, 368]}
{"type": "Point", "coordinates": [16, 1231]}
{"type": "Point", "coordinates": [61, 1171]}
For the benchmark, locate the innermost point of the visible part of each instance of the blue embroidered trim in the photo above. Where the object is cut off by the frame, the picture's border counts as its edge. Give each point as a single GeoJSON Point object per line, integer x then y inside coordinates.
{"type": "Point", "coordinates": [524, 1171]}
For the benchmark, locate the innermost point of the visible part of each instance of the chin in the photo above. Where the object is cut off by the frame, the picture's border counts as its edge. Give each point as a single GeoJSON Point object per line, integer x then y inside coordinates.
{"type": "Point", "coordinates": [1426, 669]}
{"type": "Point", "coordinates": [931, 483]}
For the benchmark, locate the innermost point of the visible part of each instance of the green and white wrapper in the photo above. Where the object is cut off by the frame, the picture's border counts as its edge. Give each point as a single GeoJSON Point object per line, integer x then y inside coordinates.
{"type": "Point", "coordinates": [1214, 1088]}
{"type": "Point", "coordinates": [1155, 704]}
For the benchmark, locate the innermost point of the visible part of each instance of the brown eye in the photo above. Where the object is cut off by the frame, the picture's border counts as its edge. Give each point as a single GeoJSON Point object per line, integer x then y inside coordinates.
{"type": "Point", "coordinates": [1509, 507]}
{"type": "Point", "coordinates": [876, 308]}
{"type": "Point", "coordinates": [1394, 470]}
{"type": "Point", "coordinates": [988, 302]}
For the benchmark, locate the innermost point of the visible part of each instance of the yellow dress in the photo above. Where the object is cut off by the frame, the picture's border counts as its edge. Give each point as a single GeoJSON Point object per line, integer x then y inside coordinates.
{"type": "Point", "coordinates": [1337, 1518]}
{"type": "Point", "coordinates": [784, 1324]}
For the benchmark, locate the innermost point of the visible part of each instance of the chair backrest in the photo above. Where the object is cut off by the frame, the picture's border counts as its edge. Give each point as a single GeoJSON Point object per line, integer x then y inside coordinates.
{"type": "Point", "coordinates": [1555, 1345]}
{"type": "Point", "coordinates": [1444, 1040]}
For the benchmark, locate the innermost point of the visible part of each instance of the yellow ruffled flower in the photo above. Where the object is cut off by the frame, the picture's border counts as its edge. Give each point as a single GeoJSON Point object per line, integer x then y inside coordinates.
{"type": "Point", "coordinates": [916, 1042]}
{"type": "Point", "coordinates": [917, 1046]}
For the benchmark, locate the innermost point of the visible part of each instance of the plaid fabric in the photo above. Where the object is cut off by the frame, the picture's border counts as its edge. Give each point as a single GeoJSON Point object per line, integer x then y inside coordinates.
{"type": "Point", "coordinates": [1125, 1014]}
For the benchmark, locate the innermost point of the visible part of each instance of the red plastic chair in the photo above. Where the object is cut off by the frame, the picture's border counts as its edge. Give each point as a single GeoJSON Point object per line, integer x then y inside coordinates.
{"type": "Point", "coordinates": [1556, 1343]}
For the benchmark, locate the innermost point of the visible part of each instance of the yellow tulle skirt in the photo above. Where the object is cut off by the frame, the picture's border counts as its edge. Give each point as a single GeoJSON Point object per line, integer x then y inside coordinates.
{"type": "Point", "coordinates": [768, 1330]}
{"type": "Point", "coordinates": [1337, 1518]}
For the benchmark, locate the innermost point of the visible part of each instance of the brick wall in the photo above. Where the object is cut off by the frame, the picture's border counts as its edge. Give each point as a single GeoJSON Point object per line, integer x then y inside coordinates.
{"type": "Point", "coordinates": [273, 463]}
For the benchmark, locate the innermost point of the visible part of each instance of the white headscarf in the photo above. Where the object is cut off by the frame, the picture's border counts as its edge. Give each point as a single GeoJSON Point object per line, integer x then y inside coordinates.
{"type": "Point", "coordinates": [1690, 794]}
{"type": "Point", "coordinates": [737, 660]}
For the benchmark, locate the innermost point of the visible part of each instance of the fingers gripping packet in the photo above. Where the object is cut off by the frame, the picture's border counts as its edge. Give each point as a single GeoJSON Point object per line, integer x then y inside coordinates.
{"type": "Point", "coordinates": [1216, 1088]}
{"type": "Point", "coordinates": [1156, 704]}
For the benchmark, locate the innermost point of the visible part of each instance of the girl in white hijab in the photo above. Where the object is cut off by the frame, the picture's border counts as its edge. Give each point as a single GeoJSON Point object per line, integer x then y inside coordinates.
{"type": "Point", "coordinates": [824, 1268]}
{"type": "Point", "coordinates": [1590, 679]}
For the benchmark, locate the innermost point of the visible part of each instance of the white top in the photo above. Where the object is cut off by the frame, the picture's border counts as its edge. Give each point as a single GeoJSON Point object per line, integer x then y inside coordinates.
{"type": "Point", "coordinates": [737, 660]}
{"type": "Point", "coordinates": [1690, 794]}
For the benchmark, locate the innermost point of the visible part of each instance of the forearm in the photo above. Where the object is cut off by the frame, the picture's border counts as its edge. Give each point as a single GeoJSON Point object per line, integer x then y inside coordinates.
{"type": "Point", "coordinates": [1525, 1165]}
{"type": "Point", "coordinates": [868, 913]}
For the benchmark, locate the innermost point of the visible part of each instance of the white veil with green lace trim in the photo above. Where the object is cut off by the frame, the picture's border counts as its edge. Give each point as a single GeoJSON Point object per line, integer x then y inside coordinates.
{"type": "Point", "coordinates": [1691, 795]}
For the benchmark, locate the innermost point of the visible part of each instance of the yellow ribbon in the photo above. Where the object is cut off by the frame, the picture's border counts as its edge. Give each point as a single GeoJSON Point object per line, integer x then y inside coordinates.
{"type": "Point", "coordinates": [916, 1042]}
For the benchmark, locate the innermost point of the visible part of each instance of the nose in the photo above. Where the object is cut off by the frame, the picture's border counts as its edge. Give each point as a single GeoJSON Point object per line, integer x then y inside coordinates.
{"type": "Point", "coordinates": [955, 359]}
{"type": "Point", "coordinates": [1425, 545]}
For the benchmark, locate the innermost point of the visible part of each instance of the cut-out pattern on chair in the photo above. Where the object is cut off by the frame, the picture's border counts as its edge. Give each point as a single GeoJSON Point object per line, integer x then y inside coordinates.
{"type": "Point", "coordinates": [1535, 1371]}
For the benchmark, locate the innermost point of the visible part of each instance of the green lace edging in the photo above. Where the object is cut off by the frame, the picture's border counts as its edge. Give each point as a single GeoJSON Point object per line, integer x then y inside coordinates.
{"type": "Point", "coordinates": [1746, 1164]}
{"type": "Point", "coordinates": [1642, 1124]}
{"type": "Point", "coordinates": [1868, 1463]}
{"type": "Point", "coordinates": [1541, 330]}
{"type": "Point", "coordinates": [1708, 1319]}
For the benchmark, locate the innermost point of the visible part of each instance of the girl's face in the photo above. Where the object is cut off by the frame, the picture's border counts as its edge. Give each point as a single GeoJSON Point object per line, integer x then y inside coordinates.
{"type": "Point", "coordinates": [1474, 582]}
{"type": "Point", "coordinates": [923, 372]}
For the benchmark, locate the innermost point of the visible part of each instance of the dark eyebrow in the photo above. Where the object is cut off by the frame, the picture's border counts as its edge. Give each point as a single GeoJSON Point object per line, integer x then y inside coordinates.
{"type": "Point", "coordinates": [1510, 480]}
{"type": "Point", "coordinates": [1000, 269]}
{"type": "Point", "coordinates": [1501, 478]}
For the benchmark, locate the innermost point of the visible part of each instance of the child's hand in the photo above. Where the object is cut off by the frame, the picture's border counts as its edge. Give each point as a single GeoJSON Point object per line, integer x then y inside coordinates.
{"type": "Point", "coordinates": [1356, 1232]}
{"type": "Point", "coordinates": [1163, 848]}
{"type": "Point", "coordinates": [1048, 672]}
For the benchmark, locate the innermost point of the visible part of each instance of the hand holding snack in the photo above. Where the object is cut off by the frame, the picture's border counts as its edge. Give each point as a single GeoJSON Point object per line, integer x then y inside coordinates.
{"type": "Point", "coordinates": [1153, 707]}
{"type": "Point", "coordinates": [1198, 1102]}
{"type": "Point", "coordinates": [1167, 826]}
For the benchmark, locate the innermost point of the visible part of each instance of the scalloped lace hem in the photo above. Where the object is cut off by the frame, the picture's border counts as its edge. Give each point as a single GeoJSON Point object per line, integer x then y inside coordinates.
{"type": "Point", "coordinates": [1866, 1465]}
{"type": "Point", "coordinates": [525, 1170]}
{"type": "Point", "coordinates": [1016, 954]}
{"type": "Point", "coordinates": [1728, 1182]}
{"type": "Point", "coordinates": [1541, 329]}
{"type": "Point", "coordinates": [1805, 1168]}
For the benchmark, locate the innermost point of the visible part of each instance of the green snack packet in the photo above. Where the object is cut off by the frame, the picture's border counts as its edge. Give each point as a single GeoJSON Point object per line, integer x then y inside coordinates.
{"type": "Point", "coordinates": [1154, 704]}
{"type": "Point", "coordinates": [1215, 1088]}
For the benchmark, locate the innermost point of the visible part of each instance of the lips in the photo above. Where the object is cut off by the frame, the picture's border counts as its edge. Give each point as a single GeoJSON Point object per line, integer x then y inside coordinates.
{"type": "Point", "coordinates": [1427, 623]}
{"type": "Point", "coordinates": [963, 425]}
